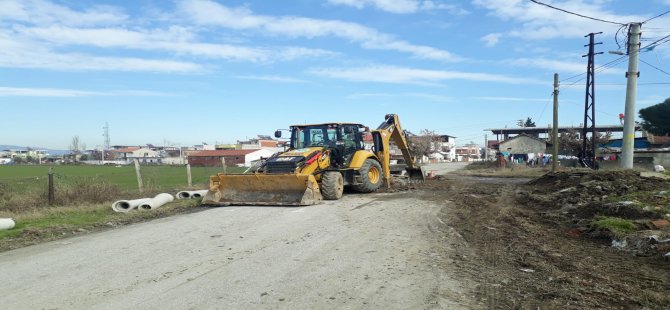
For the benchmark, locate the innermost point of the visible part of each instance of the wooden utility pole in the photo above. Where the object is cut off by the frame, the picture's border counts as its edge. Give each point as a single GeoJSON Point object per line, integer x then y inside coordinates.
{"type": "Point", "coordinates": [554, 130]}
{"type": "Point", "coordinates": [51, 186]}
{"type": "Point", "coordinates": [139, 175]}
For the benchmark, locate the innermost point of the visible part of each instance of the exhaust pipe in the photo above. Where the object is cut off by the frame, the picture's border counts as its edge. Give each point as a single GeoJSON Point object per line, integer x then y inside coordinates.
{"type": "Point", "coordinates": [6, 224]}
{"type": "Point", "coordinates": [128, 205]}
{"type": "Point", "coordinates": [156, 202]}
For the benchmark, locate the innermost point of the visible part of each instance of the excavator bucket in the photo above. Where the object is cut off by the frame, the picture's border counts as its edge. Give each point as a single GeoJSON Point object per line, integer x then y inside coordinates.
{"type": "Point", "coordinates": [415, 174]}
{"type": "Point", "coordinates": [263, 189]}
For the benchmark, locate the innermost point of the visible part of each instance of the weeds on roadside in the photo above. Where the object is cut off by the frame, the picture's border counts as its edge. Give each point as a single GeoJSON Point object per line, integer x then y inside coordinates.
{"type": "Point", "coordinates": [618, 226]}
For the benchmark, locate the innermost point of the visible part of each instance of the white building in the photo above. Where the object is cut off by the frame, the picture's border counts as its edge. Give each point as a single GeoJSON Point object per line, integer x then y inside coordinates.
{"type": "Point", "coordinates": [143, 155]}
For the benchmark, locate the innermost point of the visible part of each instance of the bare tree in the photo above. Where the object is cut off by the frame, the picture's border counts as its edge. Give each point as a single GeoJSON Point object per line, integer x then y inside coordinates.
{"type": "Point", "coordinates": [572, 143]}
{"type": "Point", "coordinates": [425, 143]}
{"type": "Point", "coordinates": [74, 145]}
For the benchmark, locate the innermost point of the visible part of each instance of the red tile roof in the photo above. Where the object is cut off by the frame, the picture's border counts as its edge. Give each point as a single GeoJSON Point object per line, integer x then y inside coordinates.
{"type": "Point", "coordinates": [222, 153]}
{"type": "Point", "coordinates": [127, 150]}
{"type": "Point", "coordinates": [268, 143]}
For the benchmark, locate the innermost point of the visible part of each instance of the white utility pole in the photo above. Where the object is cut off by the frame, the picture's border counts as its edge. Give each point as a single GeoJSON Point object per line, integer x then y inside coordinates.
{"type": "Point", "coordinates": [627, 150]}
{"type": "Point", "coordinates": [554, 130]}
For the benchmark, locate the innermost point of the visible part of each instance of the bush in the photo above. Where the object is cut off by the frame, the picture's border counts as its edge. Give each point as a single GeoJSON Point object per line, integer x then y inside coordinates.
{"type": "Point", "coordinates": [83, 191]}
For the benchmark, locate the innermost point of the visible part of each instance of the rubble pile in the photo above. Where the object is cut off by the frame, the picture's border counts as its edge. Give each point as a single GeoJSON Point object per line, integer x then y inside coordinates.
{"type": "Point", "coordinates": [595, 203]}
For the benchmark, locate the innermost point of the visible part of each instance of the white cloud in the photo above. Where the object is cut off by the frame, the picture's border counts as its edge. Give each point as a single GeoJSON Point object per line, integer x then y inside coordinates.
{"type": "Point", "coordinates": [394, 74]}
{"type": "Point", "coordinates": [42, 92]}
{"type": "Point", "coordinates": [210, 13]}
{"type": "Point", "coordinates": [515, 99]}
{"type": "Point", "coordinates": [61, 92]}
{"type": "Point", "coordinates": [42, 34]}
{"type": "Point", "coordinates": [46, 12]}
{"type": "Point", "coordinates": [175, 39]}
{"type": "Point", "coordinates": [26, 54]}
{"type": "Point", "coordinates": [491, 39]}
{"type": "Point", "coordinates": [426, 96]}
{"type": "Point", "coordinates": [271, 78]}
{"type": "Point", "coordinates": [560, 66]}
{"type": "Point", "coordinates": [392, 6]}
{"type": "Point", "coordinates": [401, 6]}
{"type": "Point", "coordinates": [540, 22]}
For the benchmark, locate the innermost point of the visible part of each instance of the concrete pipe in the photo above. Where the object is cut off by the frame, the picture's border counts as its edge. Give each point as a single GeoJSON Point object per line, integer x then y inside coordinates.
{"type": "Point", "coordinates": [184, 195]}
{"type": "Point", "coordinates": [6, 224]}
{"type": "Point", "coordinates": [156, 202]}
{"type": "Point", "coordinates": [128, 205]}
{"type": "Point", "coordinates": [198, 194]}
{"type": "Point", "coordinates": [191, 194]}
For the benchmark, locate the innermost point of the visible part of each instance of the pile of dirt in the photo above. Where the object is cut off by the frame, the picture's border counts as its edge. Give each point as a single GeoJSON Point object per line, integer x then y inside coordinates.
{"type": "Point", "coordinates": [523, 252]}
{"type": "Point", "coordinates": [620, 207]}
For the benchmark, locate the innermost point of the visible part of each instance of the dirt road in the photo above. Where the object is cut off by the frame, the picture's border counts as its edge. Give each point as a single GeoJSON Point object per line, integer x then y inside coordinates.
{"type": "Point", "coordinates": [383, 250]}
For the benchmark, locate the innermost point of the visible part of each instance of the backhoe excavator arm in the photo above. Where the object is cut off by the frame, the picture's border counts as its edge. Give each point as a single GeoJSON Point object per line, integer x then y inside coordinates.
{"type": "Point", "coordinates": [391, 129]}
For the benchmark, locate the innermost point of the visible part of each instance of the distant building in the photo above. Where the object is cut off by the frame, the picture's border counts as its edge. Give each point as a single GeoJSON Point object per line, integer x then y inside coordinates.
{"type": "Point", "coordinates": [523, 144]}
{"type": "Point", "coordinates": [468, 152]}
{"type": "Point", "coordinates": [143, 155]}
{"type": "Point", "coordinates": [233, 158]}
{"type": "Point", "coordinates": [262, 142]}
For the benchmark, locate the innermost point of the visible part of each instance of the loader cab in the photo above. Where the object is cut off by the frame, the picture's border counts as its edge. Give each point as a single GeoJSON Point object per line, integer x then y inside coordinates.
{"type": "Point", "coordinates": [344, 139]}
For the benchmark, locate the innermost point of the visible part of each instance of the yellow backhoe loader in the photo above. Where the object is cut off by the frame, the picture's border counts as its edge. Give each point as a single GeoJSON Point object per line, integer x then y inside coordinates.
{"type": "Point", "coordinates": [320, 161]}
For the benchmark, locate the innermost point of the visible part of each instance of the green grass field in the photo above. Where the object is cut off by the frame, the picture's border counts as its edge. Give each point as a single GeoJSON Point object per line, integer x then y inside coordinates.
{"type": "Point", "coordinates": [83, 195]}
{"type": "Point", "coordinates": [153, 177]}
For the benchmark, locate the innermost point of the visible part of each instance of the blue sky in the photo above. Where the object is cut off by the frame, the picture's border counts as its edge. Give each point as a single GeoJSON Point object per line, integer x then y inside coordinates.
{"type": "Point", "coordinates": [186, 71]}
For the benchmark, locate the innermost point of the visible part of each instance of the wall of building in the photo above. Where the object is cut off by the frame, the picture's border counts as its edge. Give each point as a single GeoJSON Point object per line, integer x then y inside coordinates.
{"type": "Point", "coordinates": [642, 161]}
{"type": "Point", "coordinates": [215, 161]}
{"type": "Point", "coordinates": [255, 156]}
{"type": "Point", "coordinates": [523, 145]}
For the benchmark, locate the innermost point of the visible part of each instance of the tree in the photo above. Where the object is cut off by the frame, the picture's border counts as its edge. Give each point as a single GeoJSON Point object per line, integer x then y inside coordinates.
{"type": "Point", "coordinates": [423, 144]}
{"type": "Point", "coordinates": [74, 145]}
{"type": "Point", "coordinates": [527, 123]}
{"type": "Point", "coordinates": [572, 143]}
{"type": "Point", "coordinates": [656, 118]}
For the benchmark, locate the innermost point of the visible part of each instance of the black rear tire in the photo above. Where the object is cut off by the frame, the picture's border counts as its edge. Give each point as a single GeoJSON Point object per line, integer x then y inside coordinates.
{"type": "Point", "coordinates": [332, 185]}
{"type": "Point", "coordinates": [370, 176]}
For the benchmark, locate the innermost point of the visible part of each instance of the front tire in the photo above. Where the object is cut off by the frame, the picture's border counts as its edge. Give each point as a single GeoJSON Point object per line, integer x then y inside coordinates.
{"type": "Point", "coordinates": [332, 185]}
{"type": "Point", "coordinates": [370, 176]}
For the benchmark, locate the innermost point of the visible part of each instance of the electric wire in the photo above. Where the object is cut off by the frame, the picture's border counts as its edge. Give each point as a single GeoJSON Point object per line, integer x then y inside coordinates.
{"type": "Point", "coordinates": [655, 17]}
{"type": "Point", "coordinates": [656, 43]}
{"type": "Point", "coordinates": [596, 69]}
{"type": "Point", "coordinates": [657, 68]}
{"type": "Point", "coordinates": [576, 14]}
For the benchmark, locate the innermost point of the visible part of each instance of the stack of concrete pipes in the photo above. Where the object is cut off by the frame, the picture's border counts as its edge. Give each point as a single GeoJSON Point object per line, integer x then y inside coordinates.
{"type": "Point", "coordinates": [142, 204]}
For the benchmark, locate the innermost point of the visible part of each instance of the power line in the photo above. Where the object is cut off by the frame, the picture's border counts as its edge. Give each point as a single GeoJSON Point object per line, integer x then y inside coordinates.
{"type": "Point", "coordinates": [623, 84]}
{"type": "Point", "coordinates": [573, 13]}
{"type": "Point", "coordinates": [655, 42]}
{"type": "Point", "coordinates": [657, 68]}
{"type": "Point", "coordinates": [599, 69]}
{"type": "Point", "coordinates": [657, 16]}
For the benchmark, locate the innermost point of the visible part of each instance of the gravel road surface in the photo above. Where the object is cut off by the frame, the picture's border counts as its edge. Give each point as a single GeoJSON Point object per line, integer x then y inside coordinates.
{"type": "Point", "coordinates": [382, 250]}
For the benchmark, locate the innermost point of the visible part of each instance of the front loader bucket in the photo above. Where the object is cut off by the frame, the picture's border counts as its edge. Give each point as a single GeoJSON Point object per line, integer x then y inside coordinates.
{"type": "Point", "coordinates": [415, 174]}
{"type": "Point", "coordinates": [263, 189]}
